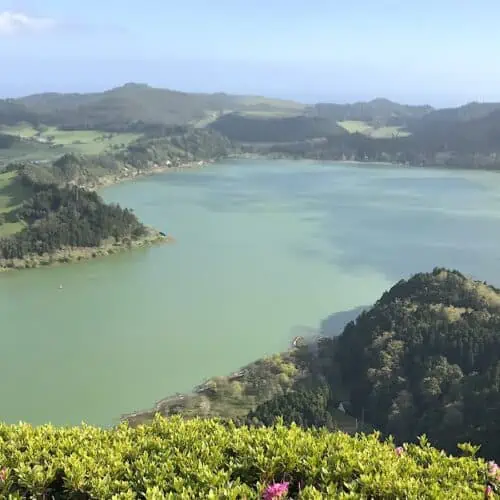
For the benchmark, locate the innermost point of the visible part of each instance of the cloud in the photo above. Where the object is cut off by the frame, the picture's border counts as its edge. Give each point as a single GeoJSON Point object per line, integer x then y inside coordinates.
{"type": "Point", "coordinates": [17, 23]}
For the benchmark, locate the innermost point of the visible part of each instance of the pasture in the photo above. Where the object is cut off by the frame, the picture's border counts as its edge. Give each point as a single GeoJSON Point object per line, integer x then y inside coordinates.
{"type": "Point", "coordinates": [275, 113]}
{"type": "Point", "coordinates": [360, 127]}
{"type": "Point", "coordinates": [90, 142]}
{"type": "Point", "coordinates": [12, 194]}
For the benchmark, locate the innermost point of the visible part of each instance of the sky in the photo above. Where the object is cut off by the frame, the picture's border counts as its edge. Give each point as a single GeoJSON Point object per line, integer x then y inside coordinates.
{"type": "Point", "coordinates": [439, 52]}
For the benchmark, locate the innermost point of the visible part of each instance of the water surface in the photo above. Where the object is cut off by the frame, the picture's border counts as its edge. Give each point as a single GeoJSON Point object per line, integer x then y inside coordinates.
{"type": "Point", "coordinates": [264, 250]}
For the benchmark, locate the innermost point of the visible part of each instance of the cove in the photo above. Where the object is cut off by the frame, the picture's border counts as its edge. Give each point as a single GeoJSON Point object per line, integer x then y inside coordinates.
{"type": "Point", "coordinates": [264, 251]}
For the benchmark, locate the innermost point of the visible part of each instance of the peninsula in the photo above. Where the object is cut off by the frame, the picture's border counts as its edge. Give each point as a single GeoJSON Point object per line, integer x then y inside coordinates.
{"type": "Point", "coordinates": [50, 213]}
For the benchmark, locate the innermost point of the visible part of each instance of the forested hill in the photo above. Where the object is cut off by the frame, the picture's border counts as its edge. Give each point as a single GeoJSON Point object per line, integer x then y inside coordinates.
{"type": "Point", "coordinates": [467, 136]}
{"type": "Point", "coordinates": [382, 111]}
{"type": "Point", "coordinates": [425, 359]}
{"type": "Point", "coordinates": [53, 218]}
{"type": "Point", "coordinates": [132, 104]}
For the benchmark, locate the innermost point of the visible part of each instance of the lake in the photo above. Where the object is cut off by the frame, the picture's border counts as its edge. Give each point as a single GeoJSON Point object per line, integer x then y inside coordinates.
{"type": "Point", "coordinates": [264, 250]}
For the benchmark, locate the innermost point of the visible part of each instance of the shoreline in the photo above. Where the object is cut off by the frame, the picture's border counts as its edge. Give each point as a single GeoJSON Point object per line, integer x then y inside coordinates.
{"type": "Point", "coordinates": [108, 180]}
{"type": "Point", "coordinates": [71, 255]}
{"type": "Point", "coordinates": [77, 254]}
{"type": "Point", "coordinates": [126, 176]}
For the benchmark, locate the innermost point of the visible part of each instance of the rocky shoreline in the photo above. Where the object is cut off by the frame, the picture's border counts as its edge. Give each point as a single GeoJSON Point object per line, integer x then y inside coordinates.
{"type": "Point", "coordinates": [77, 254]}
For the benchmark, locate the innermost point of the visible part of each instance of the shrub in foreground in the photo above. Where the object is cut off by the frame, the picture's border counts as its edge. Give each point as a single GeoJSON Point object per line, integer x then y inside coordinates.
{"type": "Point", "coordinates": [174, 458]}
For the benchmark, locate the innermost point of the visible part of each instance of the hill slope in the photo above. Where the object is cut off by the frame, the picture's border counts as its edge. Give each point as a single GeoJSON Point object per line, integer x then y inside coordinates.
{"type": "Point", "coordinates": [423, 359]}
{"type": "Point", "coordinates": [378, 130]}
{"type": "Point", "coordinates": [122, 107]}
{"type": "Point", "coordinates": [55, 221]}
{"type": "Point", "coordinates": [272, 129]}
{"type": "Point", "coordinates": [380, 111]}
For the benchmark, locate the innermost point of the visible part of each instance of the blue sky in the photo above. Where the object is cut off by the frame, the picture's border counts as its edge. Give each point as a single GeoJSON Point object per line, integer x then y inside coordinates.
{"type": "Point", "coordinates": [442, 52]}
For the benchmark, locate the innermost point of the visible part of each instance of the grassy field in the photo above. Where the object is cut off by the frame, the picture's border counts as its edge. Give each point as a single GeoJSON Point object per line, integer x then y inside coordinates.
{"type": "Point", "coordinates": [33, 151]}
{"type": "Point", "coordinates": [51, 142]}
{"type": "Point", "coordinates": [353, 127]}
{"type": "Point", "coordinates": [271, 103]}
{"type": "Point", "coordinates": [12, 194]}
{"type": "Point", "coordinates": [22, 130]}
{"type": "Point", "coordinates": [279, 112]}
{"type": "Point", "coordinates": [276, 113]}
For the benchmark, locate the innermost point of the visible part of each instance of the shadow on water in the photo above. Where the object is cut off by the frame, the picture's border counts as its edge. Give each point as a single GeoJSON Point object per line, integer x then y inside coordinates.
{"type": "Point", "coordinates": [331, 326]}
{"type": "Point", "coordinates": [334, 324]}
{"type": "Point", "coordinates": [397, 224]}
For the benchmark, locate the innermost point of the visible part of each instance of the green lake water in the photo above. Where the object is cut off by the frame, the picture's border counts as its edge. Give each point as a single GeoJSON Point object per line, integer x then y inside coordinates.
{"type": "Point", "coordinates": [265, 250]}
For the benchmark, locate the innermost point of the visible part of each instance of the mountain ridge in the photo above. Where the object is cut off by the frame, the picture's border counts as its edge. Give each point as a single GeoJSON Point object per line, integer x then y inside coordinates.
{"type": "Point", "coordinates": [379, 130]}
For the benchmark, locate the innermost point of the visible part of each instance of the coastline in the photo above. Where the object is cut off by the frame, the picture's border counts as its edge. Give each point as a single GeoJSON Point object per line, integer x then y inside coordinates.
{"type": "Point", "coordinates": [70, 255]}
{"type": "Point", "coordinates": [77, 254]}
{"type": "Point", "coordinates": [131, 175]}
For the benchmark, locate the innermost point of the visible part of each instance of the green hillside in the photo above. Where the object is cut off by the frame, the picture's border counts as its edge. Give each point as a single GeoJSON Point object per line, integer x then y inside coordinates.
{"type": "Point", "coordinates": [374, 131]}
{"type": "Point", "coordinates": [380, 112]}
{"type": "Point", "coordinates": [12, 195]}
{"type": "Point", "coordinates": [251, 128]}
{"type": "Point", "coordinates": [381, 130]}
{"type": "Point", "coordinates": [127, 107]}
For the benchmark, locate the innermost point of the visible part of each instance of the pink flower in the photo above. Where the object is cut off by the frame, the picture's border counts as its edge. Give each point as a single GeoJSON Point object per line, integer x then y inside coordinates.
{"type": "Point", "coordinates": [3, 474]}
{"type": "Point", "coordinates": [399, 451]}
{"type": "Point", "coordinates": [492, 468]}
{"type": "Point", "coordinates": [276, 490]}
{"type": "Point", "coordinates": [488, 492]}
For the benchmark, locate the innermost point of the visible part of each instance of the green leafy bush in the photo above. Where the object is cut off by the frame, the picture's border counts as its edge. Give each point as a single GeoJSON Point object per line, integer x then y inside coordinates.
{"type": "Point", "coordinates": [176, 458]}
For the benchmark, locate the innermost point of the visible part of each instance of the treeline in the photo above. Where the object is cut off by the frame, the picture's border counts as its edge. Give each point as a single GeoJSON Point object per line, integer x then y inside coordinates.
{"type": "Point", "coordinates": [377, 111]}
{"type": "Point", "coordinates": [7, 141]}
{"type": "Point", "coordinates": [58, 217]}
{"type": "Point", "coordinates": [464, 137]}
{"type": "Point", "coordinates": [275, 129]}
{"type": "Point", "coordinates": [308, 408]}
{"type": "Point", "coordinates": [452, 147]}
{"type": "Point", "coordinates": [182, 145]}
{"type": "Point", "coordinates": [424, 360]}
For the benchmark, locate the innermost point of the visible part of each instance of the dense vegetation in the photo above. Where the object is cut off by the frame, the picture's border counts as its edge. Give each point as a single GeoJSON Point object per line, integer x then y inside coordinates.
{"type": "Point", "coordinates": [58, 217]}
{"type": "Point", "coordinates": [180, 145]}
{"type": "Point", "coordinates": [274, 129]}
{"type": "Point", "coordinates": [208, 459]}
{"type": "Point", "coordinates": [425, 358]}
{"type": "Point", "coordinates": [381, 111]}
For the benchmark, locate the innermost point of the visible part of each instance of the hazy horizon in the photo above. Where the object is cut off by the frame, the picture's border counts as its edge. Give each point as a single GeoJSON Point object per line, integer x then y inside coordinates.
{"type": "Point", "coordinates": [304, 98]}
{"type": "Point", "coordinates": [437, 54]}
